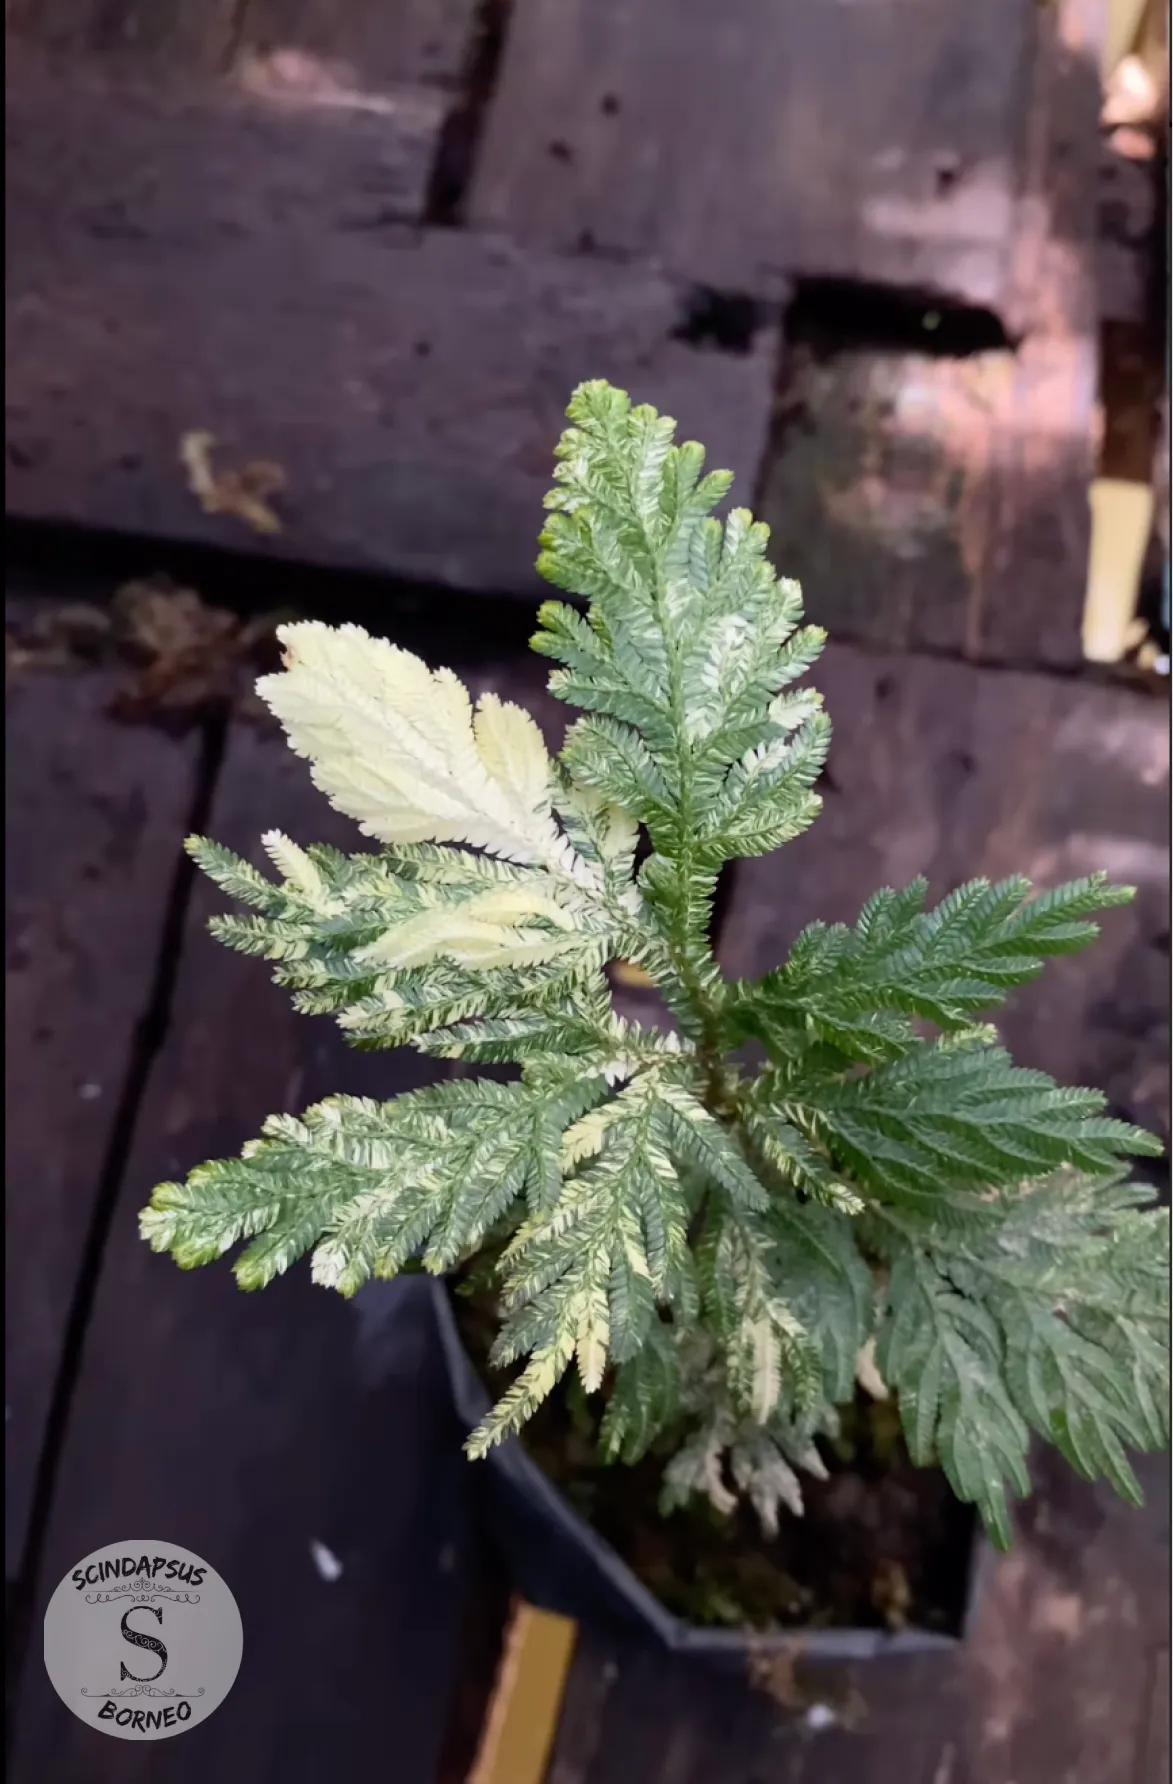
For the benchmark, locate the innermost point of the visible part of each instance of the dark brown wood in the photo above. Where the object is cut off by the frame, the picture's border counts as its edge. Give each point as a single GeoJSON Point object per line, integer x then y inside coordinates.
{"type": "Point", "coordinates": [482, 1638]}
{"type": "Point", "coordinates": [359, 46]}
{"type": "Point", "coordinates": [1128, 226]}
{"type": "Point", "coordinates": [895, 480]}
{"type": "Point", "coordinates": [95, 817]}
{"type": "Point", "coordinates": [411, 388]}
{"type": "Point", "coordinates": [1030, 588]}
{"type": "Point", "coordinates": [378, 42]}
{"type": "Point", "coordinates": [1131, 386]}
{"type": "Point", "coordinates": [739, 146]}
{"type": "Point", "coordinates": [633, 1716]}
{"type": "Point", "coordinates": [183, 37]}
{"type": "Point", "coordinates": [878, 491]}
{"type": "Point", "coordinates": [950, 771]}
{"type": "Point", "coordinates": [931, 501]}
{"type": "Point", "coordinates": [250, 1428]}
{"type": "Point", "coordinates": [593, 1673]}
{"type": "Point", "coordinates": [118, 173]}
{"type": "Point", "coordinates": [1155, 1756]}
{"type": "Point", "coordinates": [1064, 1666]}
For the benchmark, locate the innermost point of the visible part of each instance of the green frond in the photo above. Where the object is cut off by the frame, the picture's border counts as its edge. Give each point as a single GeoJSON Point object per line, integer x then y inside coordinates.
{"type": "Point", "coordinates": [852, 987]}
{"type": "Point", "coordinates": [944, 1115]}
{"type": "Point", "coordinates": [816, 1260]}
{"type": "Point", "coordinates": [942, 1356]}
{"type": "Point", "coordinates": [366, 1186]}
{"type": "Point", "coordinates": [1068, 1278]}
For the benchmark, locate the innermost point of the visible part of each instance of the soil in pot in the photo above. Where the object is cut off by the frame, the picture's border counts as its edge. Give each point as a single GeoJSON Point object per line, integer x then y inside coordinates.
{"type": "Point", "coordinates": [881, 1545]}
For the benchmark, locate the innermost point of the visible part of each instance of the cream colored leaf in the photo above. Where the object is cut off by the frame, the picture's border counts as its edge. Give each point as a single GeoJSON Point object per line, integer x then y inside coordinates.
{"type": "Point", "coordinates": [514, 752]}
{"type": "Point", "coordinates": [593, 1337]}
{"type": "Point", "coordinates": [296, 867]}
{"type": "Point", "coordinates": [393, 744]}
{"type": "Point", "coordinates": [766, 1380]}
{"type": "Point", "coordinates": [464, 936]}
{"type": "Point", "coordinates": [868, 1375]}
{"type": "Point", "coordinates": [503, 904]}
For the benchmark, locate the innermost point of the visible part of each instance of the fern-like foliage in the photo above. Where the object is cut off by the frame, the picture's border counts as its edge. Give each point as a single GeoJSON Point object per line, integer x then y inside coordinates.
{"type": "Point", "coordinates": [714, 1248]}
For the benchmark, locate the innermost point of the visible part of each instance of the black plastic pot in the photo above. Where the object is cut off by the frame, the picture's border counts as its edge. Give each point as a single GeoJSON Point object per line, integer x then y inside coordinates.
{"type": "Point", "coordinates": [559, 1563]}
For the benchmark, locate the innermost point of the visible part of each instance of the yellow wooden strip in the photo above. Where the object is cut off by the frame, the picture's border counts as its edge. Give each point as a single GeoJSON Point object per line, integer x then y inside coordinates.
{"type": "Point", "coordinates": [1124, 22]}
{"type": "Point", "coordinates": [523, 1714]}
{"type": "Point", "coordinates": [1122, 518]}
{"type": "Point", "coordinates": [627, 974]}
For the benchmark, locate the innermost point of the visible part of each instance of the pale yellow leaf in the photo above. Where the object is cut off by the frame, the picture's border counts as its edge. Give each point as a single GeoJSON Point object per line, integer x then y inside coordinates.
{"type": "Point", "coordinates": [393, 745]}
{"type": "Point", "coordinates": [593, 1338]}
{"type": "Point", "coordinates": [295, 866]}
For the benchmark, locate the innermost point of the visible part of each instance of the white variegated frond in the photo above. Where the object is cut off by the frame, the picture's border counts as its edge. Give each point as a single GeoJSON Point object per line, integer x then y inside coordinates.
{"type": "Point", "coordinates": [396, 745]}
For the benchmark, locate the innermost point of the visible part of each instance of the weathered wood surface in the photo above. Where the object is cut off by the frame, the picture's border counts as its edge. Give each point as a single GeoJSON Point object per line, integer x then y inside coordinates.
{"type": "Point", "coordinates": [362, 45]}
{"type": "Point", "coordinates": [178, 38]}
{"type": "Point", "coordinates": [231, 246]}
{"type": "Point", "coordinates": [1044, 435]}
{"type": "Point", "coordinates": [1131, 387]}
{"type": "Point", "coordinates": [637, 1717]}
{"type": "Point", "coordinates": [374, 42]}
{"type": "Point", "coordinates": [1062, 1681]}
{"type": "Point", "coordinates": [937, 502]}
{"type": "Point", "coordinates": [893, 484]}
{"type": "Point", "coordinates": [410, 387]}
{"type": "Point", "coordinates": [129, 174]}
{"type": "Point", "coordinates": [1155, 1767]}
{"type": "Point", "coordinates": [951, 771]}
{"type": "Point", "coordinates": [1129, 218]}
{"type": "Point", "coordinates": [95, 816]}
{"type": "Point", "coordinates": [738, 147]}
{"type": "Point", "coordinates": [879, 492]}
{"type": "Point", "coordinates": [248, 1428]}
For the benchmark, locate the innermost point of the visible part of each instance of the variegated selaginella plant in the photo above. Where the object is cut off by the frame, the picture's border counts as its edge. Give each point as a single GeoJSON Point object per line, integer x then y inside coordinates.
{"type": "Point", "coordinates": [715, 1247]}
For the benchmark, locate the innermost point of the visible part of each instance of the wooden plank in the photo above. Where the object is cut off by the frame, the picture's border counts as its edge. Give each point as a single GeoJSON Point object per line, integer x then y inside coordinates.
{"type": "Point", "coordinates": [659, 1719]}
{"type": "Point", "coordinates": [888, 487]}
{"type": "Point", "coordinates": [361, 45]}
{"type": "Point", "coordinates": [184, 37]}
{"type": "Point", "coordinates": [482, 1633]}
{"type": "Point", "coordinates": [95, 815]}
{"type": "Point", "coordinates": [878, 490]}
{"type": "Point", "coordinates": [252, 1428]}
{"type": "Point", "coordinates": [737, 147]}
{"type": "Point", "coordinates": [1043, 446]}
{"type": "Point", "coordinates": [380, 42]}
{"type": "Point", "coordinates": [1059, 1676]}
{"type": "Point", "coordinates": [1155, 1756]}
{"type": "Point", "coordinates": [950, 771]}
{"type": "Point", "coordinates": [1128, 270]}
{"type": "Point", "coordinates": [113, 171]}
{"type": "Point", "coordinates": [584, 1709]}
{"type": "Point", "coordinates": [936, 497]}
{"type": "Point", "coordinates": [411, 388]}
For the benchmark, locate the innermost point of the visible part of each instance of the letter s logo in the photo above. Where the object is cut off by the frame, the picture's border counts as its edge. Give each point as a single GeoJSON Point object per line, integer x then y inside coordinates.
{"type": "Point", "coordinates": [142, 1640]}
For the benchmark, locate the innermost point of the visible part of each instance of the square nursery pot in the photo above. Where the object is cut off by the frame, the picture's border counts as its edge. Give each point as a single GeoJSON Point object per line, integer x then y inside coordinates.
{"type": "Point", "coordinates": [558, 1563]}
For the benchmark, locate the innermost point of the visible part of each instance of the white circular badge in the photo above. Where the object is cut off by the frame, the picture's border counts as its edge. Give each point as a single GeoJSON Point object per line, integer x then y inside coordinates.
{"type": "Point", "coordinates": [142, 1640]}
